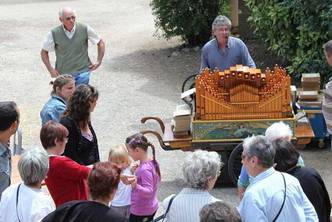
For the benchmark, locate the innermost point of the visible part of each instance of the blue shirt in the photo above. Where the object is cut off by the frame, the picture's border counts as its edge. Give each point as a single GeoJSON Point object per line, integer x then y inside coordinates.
{"type": "Point", "coordinates": [235, 53]}
{"type": "Point", "coordinates": [53, 109]}
{"type": "Point", "coordinates": [245, 179]}
{"type": "Point", "coordinates": [264, 196]}
{"type": "Point", "coordinates": [5, 167]}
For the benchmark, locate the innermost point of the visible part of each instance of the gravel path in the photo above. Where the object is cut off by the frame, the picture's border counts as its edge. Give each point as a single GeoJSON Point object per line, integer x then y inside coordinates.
{"type": "Point", "coordinates": [140, 76]}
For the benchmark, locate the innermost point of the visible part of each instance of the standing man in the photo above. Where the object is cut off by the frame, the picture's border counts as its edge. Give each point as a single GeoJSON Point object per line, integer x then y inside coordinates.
{"type": "Point", "coordinates": [70, 43]}
{"type": "Point", "coordinates": [9, 121]}
{"type": "Point", "coordinates": [327, 101]}
{"type": "Point", "coordinates": [271, 195]}
{"type": "Point", "coordinates": [224, 51]}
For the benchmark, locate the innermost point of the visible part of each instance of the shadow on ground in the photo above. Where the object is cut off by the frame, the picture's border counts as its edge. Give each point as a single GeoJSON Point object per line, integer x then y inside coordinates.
{"type": "Point", "coordinates": [166, 66]}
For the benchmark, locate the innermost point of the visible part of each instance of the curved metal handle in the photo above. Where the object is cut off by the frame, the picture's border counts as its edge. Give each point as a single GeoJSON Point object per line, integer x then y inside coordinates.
{"type": "Point", "coordinates": [160, 139]}
{"type": "Point", "coordinates": [186, 80]}
{"type": "Point", "coordinates": [161, 123]}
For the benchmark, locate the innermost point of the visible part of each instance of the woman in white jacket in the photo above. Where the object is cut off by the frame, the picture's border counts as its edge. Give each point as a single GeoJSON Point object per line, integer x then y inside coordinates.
{"type": "Point", "coordinates": [26, 202]}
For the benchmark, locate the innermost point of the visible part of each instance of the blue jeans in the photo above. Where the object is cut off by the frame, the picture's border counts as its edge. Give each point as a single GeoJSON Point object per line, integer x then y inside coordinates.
{"type": "Point", "coordinates": [82, 77]}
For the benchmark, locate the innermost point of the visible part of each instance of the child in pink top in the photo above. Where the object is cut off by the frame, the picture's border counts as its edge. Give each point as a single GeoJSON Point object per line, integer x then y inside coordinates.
{"type": "Point", "coordinates": [144, 203]}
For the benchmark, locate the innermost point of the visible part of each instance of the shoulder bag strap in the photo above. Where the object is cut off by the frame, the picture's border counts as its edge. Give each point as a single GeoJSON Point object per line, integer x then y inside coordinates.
{"type": "Point", "coordinates": [282, 206]}
{"type": "Point", "coordinates": [162, 217]}
{"type": "Point", "coordinates": [17, 193]}
{"type": "Point", "coordinates": [169, 205]}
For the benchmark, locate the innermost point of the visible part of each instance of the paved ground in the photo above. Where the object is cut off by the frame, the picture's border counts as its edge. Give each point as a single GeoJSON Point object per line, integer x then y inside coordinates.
{"type": "Point", "coordinates": [138, 77]}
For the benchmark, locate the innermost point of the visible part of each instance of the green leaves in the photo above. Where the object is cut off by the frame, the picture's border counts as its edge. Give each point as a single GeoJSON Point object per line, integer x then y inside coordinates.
{"type": "Point", "coordinates": [190, 19]}
{"type": "Point", "coordinates": [294, 30]}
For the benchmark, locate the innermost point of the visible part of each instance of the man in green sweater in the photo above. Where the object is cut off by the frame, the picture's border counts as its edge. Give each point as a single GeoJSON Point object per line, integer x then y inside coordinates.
{"type": "Point", "coordinates": [70, 43]}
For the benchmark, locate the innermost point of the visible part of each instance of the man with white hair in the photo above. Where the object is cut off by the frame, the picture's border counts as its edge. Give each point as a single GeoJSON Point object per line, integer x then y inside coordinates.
{"type": "Point", "coordinates": [272, 195]}
{"type": "Point", "coordinates": [224, 51]}
{"type": "Point", "coordinates": [70, 43]}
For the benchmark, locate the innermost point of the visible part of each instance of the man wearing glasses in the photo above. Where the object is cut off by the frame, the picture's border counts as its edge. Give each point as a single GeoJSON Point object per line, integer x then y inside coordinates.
{"type": "Point", "coordinates": [224, 51]}
{"type": "Point", "coordinates": [271, 195]}
{"type": "Point", "coordinates": [70, 43]}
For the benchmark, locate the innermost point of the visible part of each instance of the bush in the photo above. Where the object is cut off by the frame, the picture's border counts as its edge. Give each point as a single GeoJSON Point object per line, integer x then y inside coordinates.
{"type": "Point", "coordinates": [295, 30]}
{"type": "Point", "coordinates": [190, 19]}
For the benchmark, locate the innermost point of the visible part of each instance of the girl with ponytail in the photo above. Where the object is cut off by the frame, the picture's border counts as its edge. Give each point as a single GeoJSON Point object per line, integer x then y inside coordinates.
{"type": "Point", "coordinates": [63, 89]}
{"type": "Point", "coordinates": [144, 203]}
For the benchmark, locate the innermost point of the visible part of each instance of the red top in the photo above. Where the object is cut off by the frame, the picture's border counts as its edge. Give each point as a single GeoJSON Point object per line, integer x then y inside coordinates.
{"type": "Point", "coordinates": [66, 180]}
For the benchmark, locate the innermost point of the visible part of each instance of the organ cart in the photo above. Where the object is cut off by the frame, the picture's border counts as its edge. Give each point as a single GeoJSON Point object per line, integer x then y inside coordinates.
{"type": "Point", "coordinates": [227, 107]}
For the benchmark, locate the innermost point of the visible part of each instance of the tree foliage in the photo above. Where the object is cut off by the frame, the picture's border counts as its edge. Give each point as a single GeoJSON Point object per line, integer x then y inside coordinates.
{"type": "Point", "coordinates": [295, 30]}
{"type": "Point", "coordinates": [190, 19]}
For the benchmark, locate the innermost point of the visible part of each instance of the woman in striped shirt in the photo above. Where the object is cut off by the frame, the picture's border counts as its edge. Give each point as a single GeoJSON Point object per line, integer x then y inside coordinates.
{"type": "Point", "coordinates": [200, 170]}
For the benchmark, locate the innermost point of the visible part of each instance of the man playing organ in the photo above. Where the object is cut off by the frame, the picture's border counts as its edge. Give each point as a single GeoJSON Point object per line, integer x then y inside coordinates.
{"type": "Point", "coordinates": [224, 51]}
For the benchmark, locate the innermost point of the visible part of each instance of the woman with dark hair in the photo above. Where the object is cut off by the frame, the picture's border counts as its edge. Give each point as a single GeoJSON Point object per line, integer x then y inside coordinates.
{"type": "Point", "coordinates": [144, 203]}
{"type": "Point", "coordinates": [82, 145]}
{"type": "Point", "coordinates": [66, 179]}
{"type": "Point", "coordinates": [286, 159]}
{"type": "Point", "coordinates": [103, 181]}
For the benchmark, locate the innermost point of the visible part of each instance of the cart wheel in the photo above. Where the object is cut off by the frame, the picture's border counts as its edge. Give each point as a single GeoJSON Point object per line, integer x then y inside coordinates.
{"type": "Point", "coordinates": [235, 163]}
{"type": "Point", "coordinates": [224, 179]}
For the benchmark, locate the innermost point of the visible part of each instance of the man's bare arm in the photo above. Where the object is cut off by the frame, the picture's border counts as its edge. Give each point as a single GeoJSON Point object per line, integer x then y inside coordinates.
{"type": "Point", "coordinates": [101, 52]}
{"type": "Point", "coordinates": [46, 60]}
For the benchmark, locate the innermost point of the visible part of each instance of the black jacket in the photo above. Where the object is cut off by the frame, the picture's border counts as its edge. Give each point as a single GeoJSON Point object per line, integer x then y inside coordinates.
{"type": "Point", "coordinates": [314, 188]}
{"type": "Point", "coordinates": [78, 148]}
{"type": "Point", "coordinates": [83, 211]}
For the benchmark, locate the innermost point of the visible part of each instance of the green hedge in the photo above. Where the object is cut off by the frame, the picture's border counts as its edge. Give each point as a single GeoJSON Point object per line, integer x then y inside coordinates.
{"type": "Point", "coordinates": [295, 30]}
{"type": "Point", "coordinates": [189, 19]}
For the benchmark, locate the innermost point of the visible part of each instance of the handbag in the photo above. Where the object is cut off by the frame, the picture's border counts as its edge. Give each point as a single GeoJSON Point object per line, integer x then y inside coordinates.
{"type": "Point", "coordinates": [283, 203]}
{"type": "Point", "coordinates": [163, 216]}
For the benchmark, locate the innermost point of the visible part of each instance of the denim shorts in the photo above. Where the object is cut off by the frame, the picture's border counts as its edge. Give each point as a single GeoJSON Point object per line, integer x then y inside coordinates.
{"type": "Point", "coordinates": [82, 77]}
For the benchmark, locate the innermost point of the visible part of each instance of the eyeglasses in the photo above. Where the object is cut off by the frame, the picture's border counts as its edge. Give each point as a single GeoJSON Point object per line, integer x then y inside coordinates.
{"type": "Point", "coordinates": [71, 18]}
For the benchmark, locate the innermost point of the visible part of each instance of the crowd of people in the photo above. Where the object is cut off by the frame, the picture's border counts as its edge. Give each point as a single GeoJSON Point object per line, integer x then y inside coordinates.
{"type": "Point", "coordinates": [274, 184]}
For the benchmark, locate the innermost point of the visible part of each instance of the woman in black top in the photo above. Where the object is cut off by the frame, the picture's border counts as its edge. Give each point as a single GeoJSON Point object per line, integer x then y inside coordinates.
{"type": "Point", "coordinates": [82, 145]}
{"type": "Point", "coordinates": [103, 181]}
{"type": "Point", "coordinates": [286, 159]}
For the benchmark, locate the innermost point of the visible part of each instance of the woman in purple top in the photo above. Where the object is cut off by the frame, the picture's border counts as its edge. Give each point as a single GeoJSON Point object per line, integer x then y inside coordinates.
{"type": "Point", "coordinates": [144, 203]}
